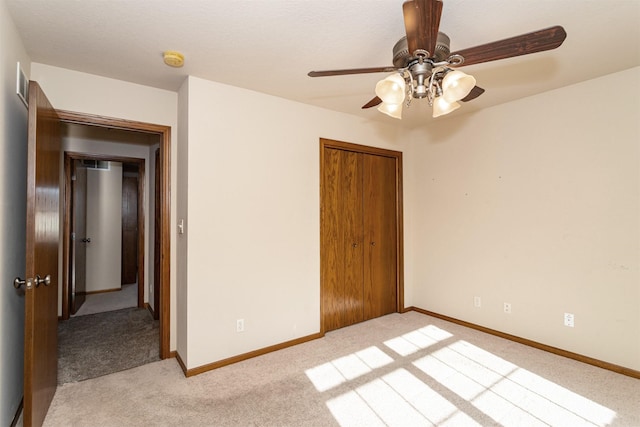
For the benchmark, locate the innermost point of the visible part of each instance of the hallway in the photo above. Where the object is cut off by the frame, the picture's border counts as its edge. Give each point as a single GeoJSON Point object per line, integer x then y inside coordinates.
{"type": "Point", "coordinates": [108, 334]}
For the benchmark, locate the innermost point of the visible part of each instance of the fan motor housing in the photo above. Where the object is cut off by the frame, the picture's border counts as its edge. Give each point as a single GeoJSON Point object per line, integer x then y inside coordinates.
{"type": "Point", "coordinates": [402, 57]}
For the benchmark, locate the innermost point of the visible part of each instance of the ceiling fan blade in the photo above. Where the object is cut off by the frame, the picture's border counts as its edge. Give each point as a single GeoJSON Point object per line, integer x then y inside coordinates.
{"type": "Point", "coordinates": [475, 92]}
{"type": "Point", "coordinates": [536, 41]}
{"type": "Point", "coordinates": [351, 71]}
{"type": "Point", "coordinates": [421, 22]}
{"type": "Point", "coordinates": [375, 101]}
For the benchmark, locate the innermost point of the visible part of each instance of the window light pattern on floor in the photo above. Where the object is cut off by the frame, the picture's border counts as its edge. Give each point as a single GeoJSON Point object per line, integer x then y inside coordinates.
{"type": "Point", "coordinates": [428, 377]}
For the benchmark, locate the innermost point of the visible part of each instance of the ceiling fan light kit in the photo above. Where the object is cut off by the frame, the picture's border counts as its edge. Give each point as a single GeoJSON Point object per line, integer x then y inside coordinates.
{"type": "Point", "coordinates": [423, 65]}
{"type": "Point", "coordinates": [391, 89]}
{"type": "Point", "coordinates": [456, 85]}
{"type": "Point", "coordinates": [441, 106]}
{"type": "Point", "coordinates": [391, 110]}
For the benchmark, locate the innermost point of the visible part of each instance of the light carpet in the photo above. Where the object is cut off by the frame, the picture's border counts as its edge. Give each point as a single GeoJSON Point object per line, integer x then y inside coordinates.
{"type": "Point", "coordinates": [398, 370]}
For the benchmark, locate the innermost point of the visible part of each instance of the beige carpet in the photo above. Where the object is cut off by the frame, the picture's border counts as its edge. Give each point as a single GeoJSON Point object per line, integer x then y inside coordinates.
{"type": "Point", "coordinates": [399, 370]}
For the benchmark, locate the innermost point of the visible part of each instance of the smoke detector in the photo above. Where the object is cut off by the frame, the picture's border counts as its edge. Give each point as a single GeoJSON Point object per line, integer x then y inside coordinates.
{"type": "Point", "coordinates": [173, 58]}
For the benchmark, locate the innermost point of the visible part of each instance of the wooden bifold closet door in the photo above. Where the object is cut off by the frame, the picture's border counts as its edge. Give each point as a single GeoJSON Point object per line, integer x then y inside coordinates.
{"type": "Point", "coordinates": [359, 254]}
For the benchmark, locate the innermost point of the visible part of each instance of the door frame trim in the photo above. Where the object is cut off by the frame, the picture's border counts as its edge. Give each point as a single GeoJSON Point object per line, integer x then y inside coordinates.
{"type": "Point", "coordinates": [69, 156]}
{"type": "Point", "coordinates": [164, 132]}
{"type": "Point", "coordinates": [364, 149]}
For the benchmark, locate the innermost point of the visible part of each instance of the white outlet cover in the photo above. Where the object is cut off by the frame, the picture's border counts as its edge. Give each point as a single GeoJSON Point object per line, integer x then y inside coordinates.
{"type": "Point", "coordinates": [569, 320]}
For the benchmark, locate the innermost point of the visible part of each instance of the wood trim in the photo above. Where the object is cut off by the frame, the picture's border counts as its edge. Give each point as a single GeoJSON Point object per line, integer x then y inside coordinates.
{"type": "Point", "coordinates": [149, 308]}
{"type": "Point", "coordinates": [245, 356]}
{"type": "Point", "coordinates": [66, 240]}
{"type": "Point", "coordinates": [141, 233]}
{"type": "Point", "coordinates": [110, 122]}
{"type": "Point", "coordinates": [320, 230]}
{"type": "Point", "coordinates": [357, 148]}
{"type": "Point", "coordinates": [165, 243]}
{"type": "Point", "coordinates": [397, 155]}
{"type": "Point", "coordinates": [103, 291]}
{"type": "Point", "coordinates": [165, 153]}
{"type": "Point", "coordinates": [400, 233]}
{"type": "Point", "coordinates": [555, 350]}
{"type": "Point", "coordinates": [66, 263]}
{"type": "Point", "coordinates": [183, 366]}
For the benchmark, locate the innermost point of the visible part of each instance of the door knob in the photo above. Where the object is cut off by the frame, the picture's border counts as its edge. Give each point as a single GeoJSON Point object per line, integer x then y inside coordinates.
{"type": "Point", "coordinates": [87, 240]}
{"type": "Point", "coordinates": [17, 282]}
{"type": "Point", "coordinates": [355, 245]}
{"type": "Point", "coordinates": [373, 243]}
{"type": "Point", "coordinates": [46, 280]}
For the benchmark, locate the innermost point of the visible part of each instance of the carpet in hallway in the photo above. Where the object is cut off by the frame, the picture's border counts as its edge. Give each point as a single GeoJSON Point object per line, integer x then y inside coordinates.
{"type": "Point", "coordinates": [98, 344]}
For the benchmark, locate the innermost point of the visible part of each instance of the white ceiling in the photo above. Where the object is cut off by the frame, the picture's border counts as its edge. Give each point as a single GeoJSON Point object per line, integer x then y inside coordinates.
{"type": "Point", "coordinates": [270, 45]}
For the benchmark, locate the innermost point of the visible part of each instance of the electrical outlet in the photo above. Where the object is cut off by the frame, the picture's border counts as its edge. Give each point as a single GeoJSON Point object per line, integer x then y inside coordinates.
{"type": "Point", "coordinates": [477, 302]}
{"type": "Point", "coordinates": [569, 320]}
{"type": "Point", "coordinates": [507, 307]}
{"type": "Point", "coordinates": [240, 325]}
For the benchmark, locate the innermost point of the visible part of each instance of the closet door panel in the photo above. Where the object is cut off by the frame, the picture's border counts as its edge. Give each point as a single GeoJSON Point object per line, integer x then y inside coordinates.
{"type": "Point", "coordinates": [380, 236]}
{"type": "Point", "coordinates": [352, 223]}
{"type": "Point", "coordinates": [332, 242]}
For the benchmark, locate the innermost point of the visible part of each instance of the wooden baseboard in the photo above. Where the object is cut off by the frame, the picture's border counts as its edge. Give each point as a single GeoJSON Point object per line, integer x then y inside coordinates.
{"type": "Point", "coordinates": [245, 356]}
{"type": "Point", "coordinates": [558, 351]}
{"type": "Point", "coordinates": [148, 307]}
{"type": "Point", "coordinates": [182, 364]}
{"type": "Point", "coordinates": [101, 291]}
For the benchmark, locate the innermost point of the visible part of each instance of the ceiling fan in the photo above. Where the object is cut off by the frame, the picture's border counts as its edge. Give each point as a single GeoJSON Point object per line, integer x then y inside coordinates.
{"type": "Point", "coordinates": [423, 65]}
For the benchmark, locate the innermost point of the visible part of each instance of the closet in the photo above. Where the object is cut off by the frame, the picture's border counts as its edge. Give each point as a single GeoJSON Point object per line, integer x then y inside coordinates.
{"type": "Point", "coordinates": [360, 233]}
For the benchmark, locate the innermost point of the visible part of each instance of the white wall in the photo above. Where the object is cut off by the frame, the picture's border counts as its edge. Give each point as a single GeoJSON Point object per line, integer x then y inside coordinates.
{"type": "Point", "coordinates": [182, 214]}
{"type": "Point", "coordinates": [253, 216]}
{"type": "Point", "coordinates": [104, 227]}
{"type": "Point", "coordinates": [87, 93]}
{"type": "Point", "coordinates": [536, 203]}
{"type": "Point", "coordinates": [13, 184]}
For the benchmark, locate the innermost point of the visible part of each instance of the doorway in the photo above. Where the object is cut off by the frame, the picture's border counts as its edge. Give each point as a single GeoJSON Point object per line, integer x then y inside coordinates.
{"type": "Point", "coordinates": [161, 134]}
{"type": "Point", "coordinates": [105, 209]}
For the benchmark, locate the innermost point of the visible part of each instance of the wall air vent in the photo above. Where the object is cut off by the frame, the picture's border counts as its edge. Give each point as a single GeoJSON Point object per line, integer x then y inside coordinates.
{"type": "Point", "coordinates": [95, 164]}
{"type": "Point", "coordinates": [22, 86]}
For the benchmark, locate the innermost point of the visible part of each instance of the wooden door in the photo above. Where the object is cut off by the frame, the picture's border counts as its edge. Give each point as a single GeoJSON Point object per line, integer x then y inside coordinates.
{"type": "Point", "coordinates": [350, 220]}
{"type": "Point", "coordinates": [332, 248]}
{"type": "Point", "coordinates": [361, 235]}
{"type": "Point", "coordinates": [79, 238]}
{"type": "Point", "coordinates": [129, 230]}
{"type": "Point", "coordinates": [342, 236]}
{"type": "Point", "coordinates": [41, 300]}
{"type": "Point", "coordinates": [380, 228]}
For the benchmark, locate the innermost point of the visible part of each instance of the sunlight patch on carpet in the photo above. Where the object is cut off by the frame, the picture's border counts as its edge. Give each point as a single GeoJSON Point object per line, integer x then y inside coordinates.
{"type": "Point", "coordinates": [343, 369]}
{"type": "Point", "coordinates": [507, 393]}
{"type": "Point", "coordinates": [453, 383]}
{"type": "Point", "coordinates": [417, 340]}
